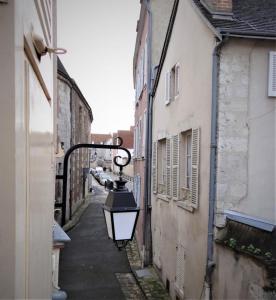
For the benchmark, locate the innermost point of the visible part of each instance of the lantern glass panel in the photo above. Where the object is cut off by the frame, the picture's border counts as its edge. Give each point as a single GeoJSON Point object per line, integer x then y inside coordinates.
{"type": "Point", "coordinates": [124, 224]}
{"type": "Point", "coordinates": [107, 215]}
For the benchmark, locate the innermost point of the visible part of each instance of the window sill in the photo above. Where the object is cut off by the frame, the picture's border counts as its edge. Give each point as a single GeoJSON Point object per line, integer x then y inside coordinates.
{"type": "Point", "coordinates": [138, 158]}
{"type": "Point", "coordinates": [185, 205]}
{"type": "Point", "coordinates": [162, 197]}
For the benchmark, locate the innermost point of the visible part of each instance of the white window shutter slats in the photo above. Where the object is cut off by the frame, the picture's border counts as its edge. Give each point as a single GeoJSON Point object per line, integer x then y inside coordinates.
{"type": "Point", "coordinates": [156, 248]}
{"type": "Point", "coordinates": [272, 74]}
{"type": "Point", "coordinates": [138, 193]}
{"type": "Point", "coordinates": [180, 267]}
{"type": "Point", "coordinates": [175, 167]}
{"type": "Point", "coordinates": [144, 133]}
{"type": "Point", "coordinates": [168, 164]}
{"type": "Point", "coordinates": [146, 61]}
{"type": "Point", "coordinates": [135, 188]}
{"type": "Point", "coordinates": [154, 167]}
{"type": "Point", "coordinates": [177, 79]}
{"type": "Point", "coordinates": [167, 88]}
{"type": "Point", "coordinates": [195, 166]}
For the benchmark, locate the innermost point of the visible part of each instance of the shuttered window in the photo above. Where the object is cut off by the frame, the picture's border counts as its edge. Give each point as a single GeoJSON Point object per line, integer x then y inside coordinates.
{"type": "Point", "coordinates": [146, 62]}
{"type": "Point", "coordinates": [154, 167]}
{"type": "Point", "coordinates": [144, 134]}
{"type": "Point", "coordinates": [176, 80]}
{"type": "Point", "coordinates": [167, 88]}
{"type": "Point", "coordinates": [168, 167]}
{"type": "Point", "coordinates": [175, 167]}
{"type": "Point", "coordinates": [272, 74]}
{"type": "Point", "coordinates": [44, 10]}
{"type": "Point", "coordinates": [137, 189]}
{"type": "Point", "coordinates": [195, 167]}
{"type": "Point", "coordinates": [172, 84]}
{"type": "Point", "coordinates": [180, 267]}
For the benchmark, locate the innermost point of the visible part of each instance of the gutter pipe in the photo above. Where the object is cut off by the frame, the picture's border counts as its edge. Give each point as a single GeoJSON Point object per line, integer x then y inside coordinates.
{"type": "Point", "coordinates": [210, 265]}
{"type": "Point", "coordinates": [147, 180]}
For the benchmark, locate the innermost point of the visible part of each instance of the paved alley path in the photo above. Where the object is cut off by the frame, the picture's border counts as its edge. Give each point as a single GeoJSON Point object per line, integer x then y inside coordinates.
{"type": "Point", "coordinates": [91, 267]}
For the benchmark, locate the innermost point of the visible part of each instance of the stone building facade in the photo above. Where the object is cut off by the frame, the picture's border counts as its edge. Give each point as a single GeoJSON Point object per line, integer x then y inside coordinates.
{"type": "Point", "coordinates": [74, 118]}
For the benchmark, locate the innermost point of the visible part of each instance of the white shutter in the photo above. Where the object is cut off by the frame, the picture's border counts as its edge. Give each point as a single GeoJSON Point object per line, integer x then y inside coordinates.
{"type": "Point", "coordinates": [140, 138]}
{"type": "Point", "coordinates": [167, 88]}
{"type": "Point", "coordinates": [156, 247]}
{"type": "Point", "coordinates": [272, 74]}
{"type": "Point", "coordinates": [146, 61]}
{"type": "Point", "coordinates": [144, 133]}
{"type": "Point", "coordinates": [180, 267]}
{"type": "Point", "coordinates": [177, 79]}
{"type": "Point", "coordinates": [135, 188]}
{"type": "Point", "coordinates": [168, 165]}
{"type": "Point", "coordinates": [195, 166]}
{"type": "Point", "coordinates": [138, 193]}
{"type": "Point", "coordinates": [154, 167]}
{"type": "Point", "coordinates": [175, 167]}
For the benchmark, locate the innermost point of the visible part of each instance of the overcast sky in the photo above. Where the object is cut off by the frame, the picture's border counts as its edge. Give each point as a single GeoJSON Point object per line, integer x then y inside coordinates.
{"type": "Point", "coordinates": [99, 36]}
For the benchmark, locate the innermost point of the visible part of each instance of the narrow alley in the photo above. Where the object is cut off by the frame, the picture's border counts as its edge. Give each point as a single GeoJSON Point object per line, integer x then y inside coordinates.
{"type": "Point", "coordinates": [91, 266]}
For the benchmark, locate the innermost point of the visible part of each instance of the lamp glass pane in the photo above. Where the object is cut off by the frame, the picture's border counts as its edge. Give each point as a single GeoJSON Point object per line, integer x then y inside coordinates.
{"type": "Point", "coordinates": [123, 225]}
{"type": "Point", "coordinates": [107, 215]}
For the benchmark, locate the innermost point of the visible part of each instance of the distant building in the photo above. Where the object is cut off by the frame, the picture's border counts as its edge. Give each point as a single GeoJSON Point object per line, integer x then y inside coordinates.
{"type": "Point", "coordinates": [127, 136]}
{"type": "Point", "coordinates": [73, 126]}
{"type": "Point", "coordinates": [101, 157]}
{"type": "Point", "coordinates": [151, 32]}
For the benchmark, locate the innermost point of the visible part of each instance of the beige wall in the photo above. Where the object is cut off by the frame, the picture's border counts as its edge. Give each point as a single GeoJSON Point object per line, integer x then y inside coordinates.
{"type": "Point", "coordinates": [26, 163]}
{"type": "Point", "coordinates": [239, 277]}
{"type": "Point", "coordinates": [172, 224]}
{"type": "Point", "coordinates": [246, 160]}
{"type": "Point", "coordinates": [246, 173]}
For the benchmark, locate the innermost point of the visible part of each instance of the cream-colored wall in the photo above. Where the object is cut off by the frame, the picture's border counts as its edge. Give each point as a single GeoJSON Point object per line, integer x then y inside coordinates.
{"type": "Point", "coordinates": [26, 161]}
{"type": "Point", "coordinates": [190, 110]}
{"type": "Point", "coordinates": [247, 122]}
{"type": "Point", "coordinates": [239, 277]}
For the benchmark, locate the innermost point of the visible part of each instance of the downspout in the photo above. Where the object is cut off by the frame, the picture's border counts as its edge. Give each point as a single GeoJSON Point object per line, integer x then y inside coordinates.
{"type": "Point", "coordinates": [210, 265]}
{"type": "Point", "coordinates": [147, 171]}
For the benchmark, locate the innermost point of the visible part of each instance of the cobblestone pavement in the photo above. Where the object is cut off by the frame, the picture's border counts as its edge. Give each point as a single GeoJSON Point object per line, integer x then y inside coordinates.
{"type": "Point", "coordinates": [148, 279]}
{"type": "Point", "coordinates": [129, 286]}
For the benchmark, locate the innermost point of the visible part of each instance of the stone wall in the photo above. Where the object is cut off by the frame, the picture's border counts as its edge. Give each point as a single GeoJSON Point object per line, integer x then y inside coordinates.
{"type": "Point", "coordinates": [73, 127]}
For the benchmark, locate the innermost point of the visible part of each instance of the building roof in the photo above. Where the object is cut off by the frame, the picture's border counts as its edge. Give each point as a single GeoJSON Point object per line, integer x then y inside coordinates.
{"type": "Point", "coordinates": [62, 72]}
{"type": "Point", "coordinates": [127, 136]}
{"type": "Point", "coordinates": [250, 18]}
{"type": "Point", "coordinates": [98, 138]}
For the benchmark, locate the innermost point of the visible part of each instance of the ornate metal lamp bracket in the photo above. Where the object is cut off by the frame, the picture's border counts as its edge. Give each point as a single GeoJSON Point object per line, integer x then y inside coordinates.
{"type": "Point", "coordinates": [64, 177]}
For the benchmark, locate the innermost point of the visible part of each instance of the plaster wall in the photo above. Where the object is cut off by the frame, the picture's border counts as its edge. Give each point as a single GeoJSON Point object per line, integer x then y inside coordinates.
{"type": "Point", "coordinates": [239, 277]}
{"type": "Point", "coordinates": [246, 131]}
{"type": "Point", "coordinates": [161, 12]}
{"type": "Point", "coordinates": [173, 225]}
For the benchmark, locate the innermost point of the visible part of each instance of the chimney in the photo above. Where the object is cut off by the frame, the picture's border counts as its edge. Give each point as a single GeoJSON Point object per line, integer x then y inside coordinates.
{"type": "Point", "coordinates": [218, 8]}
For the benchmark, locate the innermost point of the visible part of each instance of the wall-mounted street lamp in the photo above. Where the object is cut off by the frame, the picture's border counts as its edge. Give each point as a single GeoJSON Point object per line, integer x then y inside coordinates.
{"type": "Point", "coordinates": [121, 214]}
{"type": "Point", "coordinates": [120, 210]}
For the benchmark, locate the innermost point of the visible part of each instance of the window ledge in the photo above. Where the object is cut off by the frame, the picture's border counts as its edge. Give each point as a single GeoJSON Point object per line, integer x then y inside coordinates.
{"type": "Point", "coordinates": [185, 205]}
{"type": "Point", "coordinates": [163, 197]}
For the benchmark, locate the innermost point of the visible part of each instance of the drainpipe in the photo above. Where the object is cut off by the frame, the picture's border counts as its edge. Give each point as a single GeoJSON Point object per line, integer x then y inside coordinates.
{"type": "Point", "coordinates": [210, 265]}
{"type": "Point", "coordinates": [147, 171]}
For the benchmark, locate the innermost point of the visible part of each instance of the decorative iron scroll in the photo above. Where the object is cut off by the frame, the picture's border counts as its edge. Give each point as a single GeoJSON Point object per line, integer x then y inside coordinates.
{"type": "Point", "coordinates": [64, 177]}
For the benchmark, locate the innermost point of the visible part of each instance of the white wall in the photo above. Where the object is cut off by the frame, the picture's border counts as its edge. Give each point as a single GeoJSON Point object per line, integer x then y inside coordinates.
{"type": "Point", "coordinates": [26, 161]}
